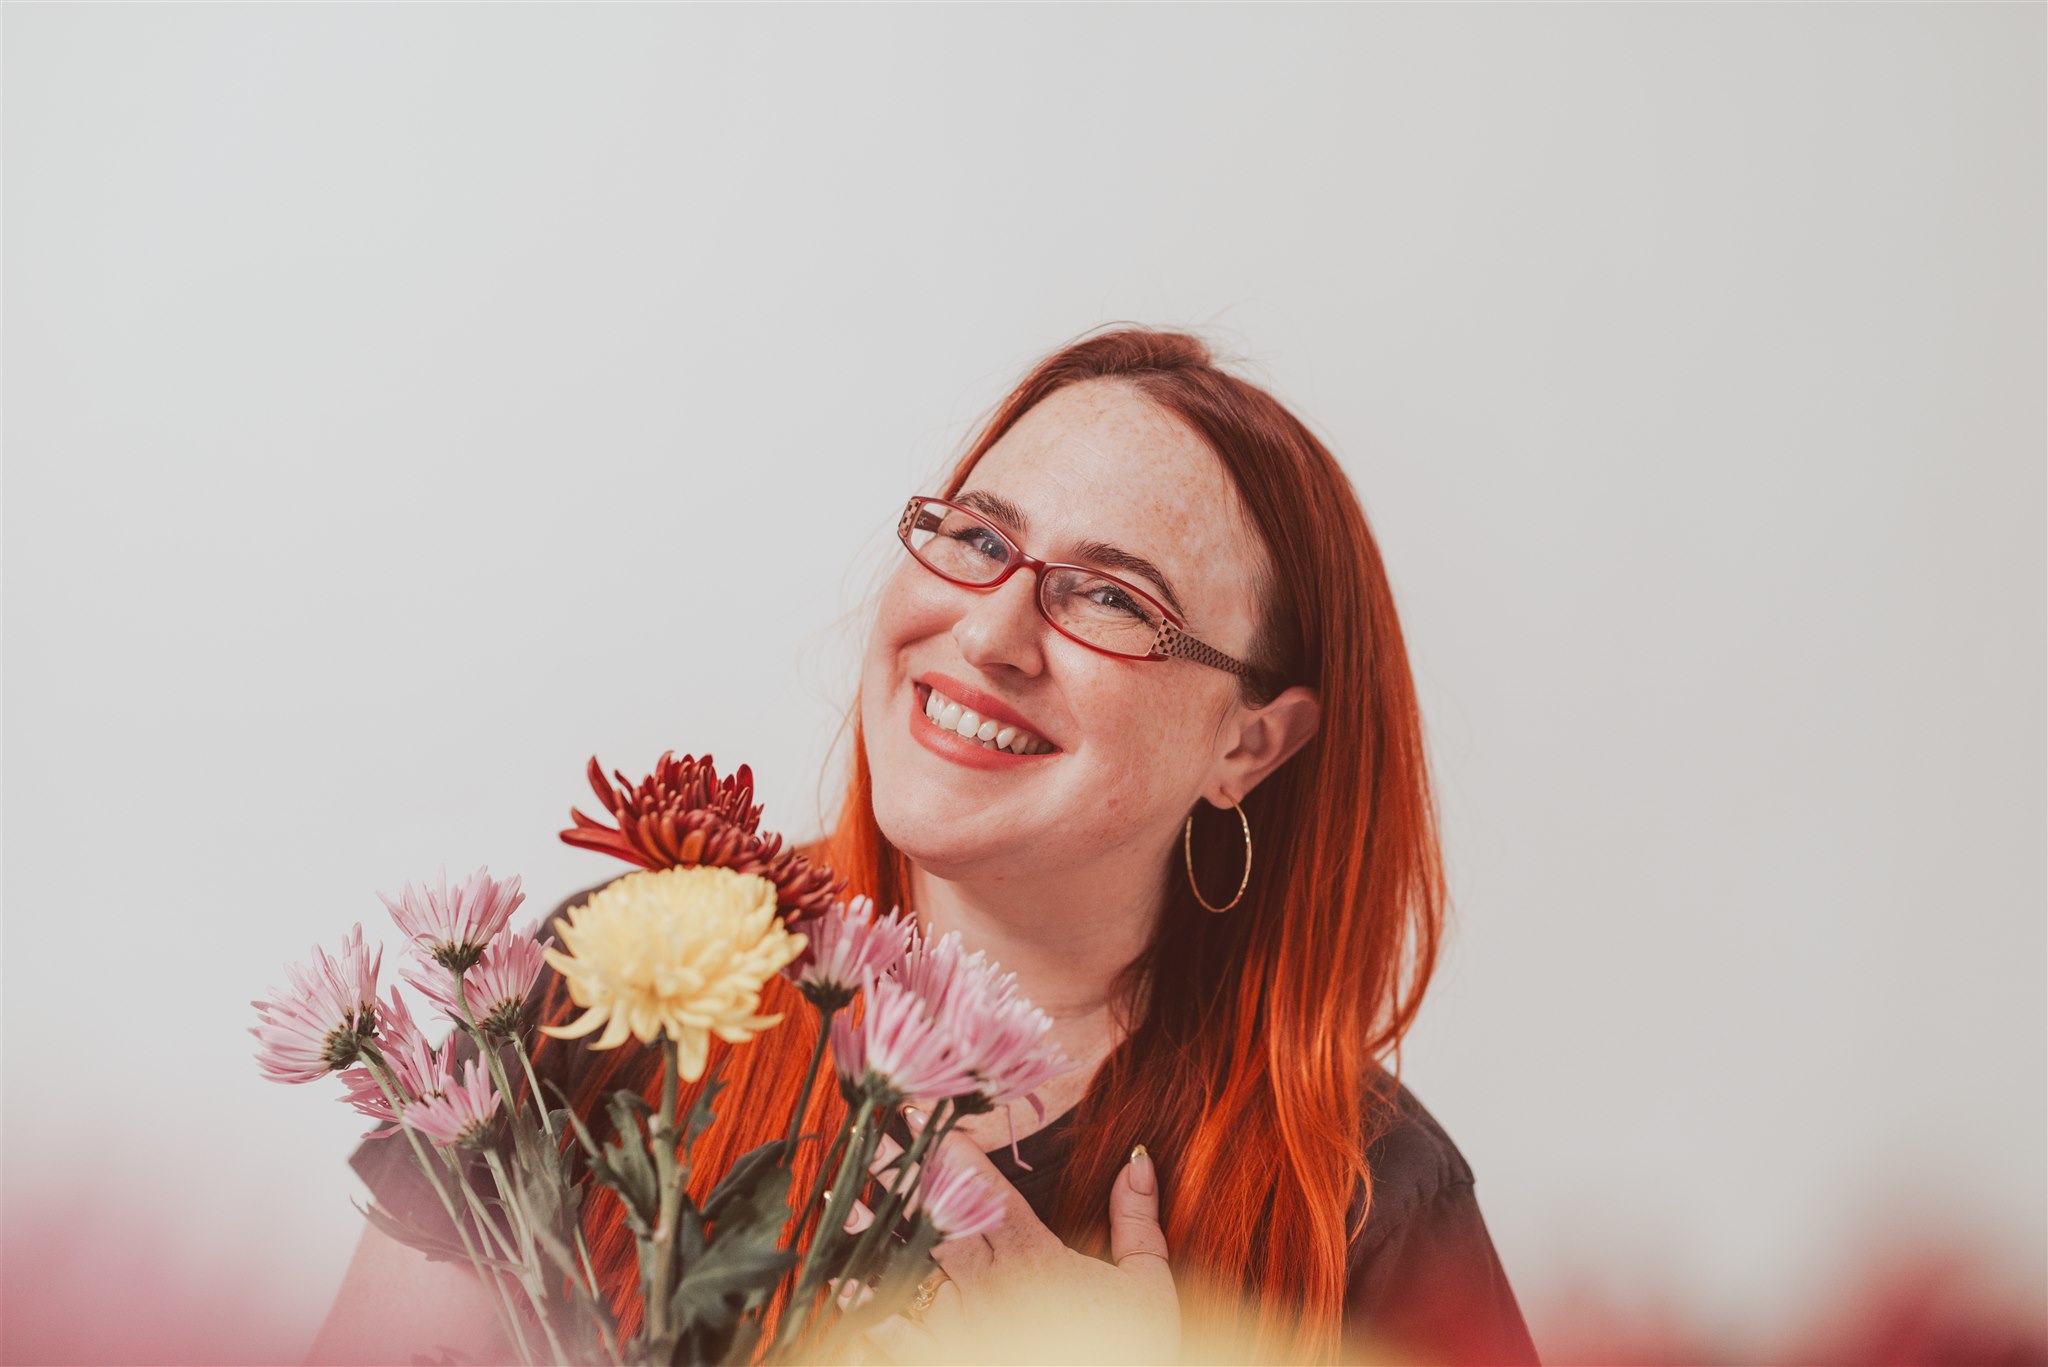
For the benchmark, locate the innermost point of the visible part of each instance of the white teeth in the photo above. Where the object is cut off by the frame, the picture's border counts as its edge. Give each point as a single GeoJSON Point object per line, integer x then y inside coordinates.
{"type": "Point", "coordinates": [970, 725]}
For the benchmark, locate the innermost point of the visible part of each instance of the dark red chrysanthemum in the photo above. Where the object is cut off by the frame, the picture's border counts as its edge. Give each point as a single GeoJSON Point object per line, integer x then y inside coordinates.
{"type": "Point", "coordinates": [683, 814]}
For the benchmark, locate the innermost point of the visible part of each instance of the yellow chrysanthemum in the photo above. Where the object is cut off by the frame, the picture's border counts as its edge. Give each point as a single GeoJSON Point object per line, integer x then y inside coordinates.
{"type": "Point", "coordinates": [682, 950]}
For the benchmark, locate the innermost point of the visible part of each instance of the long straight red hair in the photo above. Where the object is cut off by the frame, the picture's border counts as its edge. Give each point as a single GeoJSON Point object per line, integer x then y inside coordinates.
{"type": "Point", "coordinates": [1249, 1065]}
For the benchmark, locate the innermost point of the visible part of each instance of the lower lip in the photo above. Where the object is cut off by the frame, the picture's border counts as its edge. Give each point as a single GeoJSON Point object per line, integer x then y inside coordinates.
{"type": "Point", "coordinates": [953, 746]}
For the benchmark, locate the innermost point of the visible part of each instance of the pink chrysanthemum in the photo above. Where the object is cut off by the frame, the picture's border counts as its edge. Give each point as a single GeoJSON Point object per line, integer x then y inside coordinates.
{"type": "Point", "coordinates": [898, 1050]}
{"type": "Point", "coordinates": [1001, 1036]}
{"type": "Point", "coordinates": [849, 1055]}
{"type": "Point", "coordinates": [495, 988]}
{"type": "Point", "coordinates": [461, 1115]}
{"type": "Point", "coordinates": [958, 1202]}
{"type": "Point", "coordinates": [937, 969]}
{"type": "Point", "coordinates": [847, 945]}
{"type": "Point", "coordinates": [452, 929]}
{"type": "Point", "coordinates": [321, 1024]}
{"type": "Point", "coordinates": [1009, 1053]}
{"type": "Point", "coordinates": [420, 1073]}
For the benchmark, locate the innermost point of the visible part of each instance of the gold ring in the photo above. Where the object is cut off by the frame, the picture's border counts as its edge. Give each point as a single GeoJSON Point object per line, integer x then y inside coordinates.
{"type": "Point", "coordinates": [927, 1293]}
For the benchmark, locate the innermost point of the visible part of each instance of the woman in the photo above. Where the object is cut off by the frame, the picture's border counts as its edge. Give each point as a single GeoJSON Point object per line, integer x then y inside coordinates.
{"type": "Point", "coordinates": [1175, 781]}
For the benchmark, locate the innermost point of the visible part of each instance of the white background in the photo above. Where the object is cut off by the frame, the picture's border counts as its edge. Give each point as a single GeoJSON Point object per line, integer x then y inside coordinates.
{"type": "Point", "coordinates": [404, 404]}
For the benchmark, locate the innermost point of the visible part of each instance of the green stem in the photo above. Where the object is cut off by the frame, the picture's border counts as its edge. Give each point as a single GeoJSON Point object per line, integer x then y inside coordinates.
{"type": "Point", "coordinates": [810, 1080]}
{"type": "Point", "coordinates": [492, 1061]}
{"type": "Point", "coordinates": [934, 1130]}
{"type": "Point", "coordinates": [861, 1142]}
{"type": "Point", "coordinates": [575, 1225]}
{"type": "Point", "coordinates": [539, 1101]}
{"type": "Point", "coordinates": [802, 1221]}
{"type": "Point", "coordinates": [536, 1290]}
{"type": "Point", "coordinates": [507, 1318]}
{"type": "Point", "coordinates": [933, 1133]}
{"type": "Point", "coordinates": [662, 1134]}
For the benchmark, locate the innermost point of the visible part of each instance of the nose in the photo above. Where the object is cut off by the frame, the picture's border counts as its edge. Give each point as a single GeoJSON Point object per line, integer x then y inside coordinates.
{"type": "Point", "coordinates": [1002, 626]}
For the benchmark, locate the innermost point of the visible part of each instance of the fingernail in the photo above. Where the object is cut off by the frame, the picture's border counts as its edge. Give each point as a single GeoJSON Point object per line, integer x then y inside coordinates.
{"type": "Point", "coordinates": [913, 1118]}
{"type": "Point", "coordinates": [1143, 1180]}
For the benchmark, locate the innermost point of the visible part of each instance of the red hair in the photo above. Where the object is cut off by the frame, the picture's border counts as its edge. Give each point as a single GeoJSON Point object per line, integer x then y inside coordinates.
{"type": "Point", "coordinates": [1251, 1078]}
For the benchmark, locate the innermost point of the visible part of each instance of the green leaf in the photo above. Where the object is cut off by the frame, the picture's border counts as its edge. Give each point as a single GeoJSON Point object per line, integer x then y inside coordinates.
{"type": "Point", "coordinates": [575, 1122]}
{"type": "Point", "coordinates": [740, 1186]}
{"type": "Point", "coordinates": [628, 1165]}
{"type": "Point", "coordinates": [903, 1267]}
{"type": "Point", "coordinates": [714, 1286]}
{"type": "Point", "coordinates": [701, 1113]}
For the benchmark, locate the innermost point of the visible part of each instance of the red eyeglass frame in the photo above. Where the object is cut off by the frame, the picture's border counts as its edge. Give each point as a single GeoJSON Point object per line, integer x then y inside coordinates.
{"type": "Point", "coordinates": [1172, 641]}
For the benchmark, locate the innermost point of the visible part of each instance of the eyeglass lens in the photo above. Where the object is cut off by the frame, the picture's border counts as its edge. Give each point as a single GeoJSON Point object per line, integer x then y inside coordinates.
{"type": "Point", "coordinates": [1094, 608]}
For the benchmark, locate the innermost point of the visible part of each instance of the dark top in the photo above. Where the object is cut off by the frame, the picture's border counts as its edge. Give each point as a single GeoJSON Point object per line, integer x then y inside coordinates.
{"type": "Point", "coordinates": [1423, 1283]}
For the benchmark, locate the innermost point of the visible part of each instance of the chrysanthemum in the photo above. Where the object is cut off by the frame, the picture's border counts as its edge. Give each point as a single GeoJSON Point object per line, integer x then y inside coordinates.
{"type": "Point", "coordinates": [957, 1201]}
{"type": "Point", "coordinates": [453, 929]}
{"type": "Point", "coordinates": [678, 951]}
{"type": "Point", "coordinates": [461, 1115]}
{"type": "Point", "coordinates": [495, 988]}
{"type": "Point", "coordinates": [683, 815]}
{"type": "Point", "coordinates": [652, 831]}
{"type": "Point", "coordinates": [899, 1049]}
{"type": "Point", "coordinates": [848, 945]}
{"type": "Point", "coordinates": [1001, 1038]}
{"type": "Point", "coordinates": [1006, 1039]}
{"type": "Point", "coordinates": [321, 1024]}
{"type": "Point", "coordinates": [938, 970]}
{"type": "Point", "coordinates": [418, 1071]}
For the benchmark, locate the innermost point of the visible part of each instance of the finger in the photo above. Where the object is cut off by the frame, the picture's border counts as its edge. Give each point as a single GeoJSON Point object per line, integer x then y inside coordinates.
{"type": "Point", "coordinates": [1137, 1244]}
{"type": "Point", "coordinates": [1021, 1228]}
{"type": "Point", "coordinates": [887, 1152]}
{"type": "Point", "coordinates": [850, 1292]}
{"type": "Point", "coordinates": [859, 1218]}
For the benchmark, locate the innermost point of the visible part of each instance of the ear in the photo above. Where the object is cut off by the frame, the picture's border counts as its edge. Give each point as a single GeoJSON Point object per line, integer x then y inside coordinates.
{"type": "Point", "coordinates": [1266, 737]}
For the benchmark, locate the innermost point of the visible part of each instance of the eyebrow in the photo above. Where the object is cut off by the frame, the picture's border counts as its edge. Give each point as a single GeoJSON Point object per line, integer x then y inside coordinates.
{"type": "Point", "coordinates": [1096, 552]}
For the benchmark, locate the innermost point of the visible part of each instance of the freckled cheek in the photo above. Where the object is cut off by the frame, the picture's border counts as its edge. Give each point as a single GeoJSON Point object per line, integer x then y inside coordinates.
{"type": "Point", "coordinates": [1146, 751]}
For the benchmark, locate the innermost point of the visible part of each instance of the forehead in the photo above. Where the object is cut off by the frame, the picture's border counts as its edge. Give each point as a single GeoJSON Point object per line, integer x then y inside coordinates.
{"type": "Point", "coordinates": [1098, 461]}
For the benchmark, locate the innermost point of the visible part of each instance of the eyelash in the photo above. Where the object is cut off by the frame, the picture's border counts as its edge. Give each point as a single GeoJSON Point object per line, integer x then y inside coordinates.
{"type": "Point", "coordinates": [1125, 603]}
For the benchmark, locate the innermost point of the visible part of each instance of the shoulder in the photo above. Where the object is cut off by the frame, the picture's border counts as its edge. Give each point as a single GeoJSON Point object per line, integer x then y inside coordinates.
{"type": "Point", "coordinates": [1413, 1160]}
{"type": "Point", "coordinates": [1423, 1277]}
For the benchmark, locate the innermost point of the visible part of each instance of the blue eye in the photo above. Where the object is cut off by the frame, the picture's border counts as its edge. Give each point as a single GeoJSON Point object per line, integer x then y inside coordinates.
{"type": "Point", "coordinates": [982, 539]}
{"type": "Point", "coordinates": [1119, 601]}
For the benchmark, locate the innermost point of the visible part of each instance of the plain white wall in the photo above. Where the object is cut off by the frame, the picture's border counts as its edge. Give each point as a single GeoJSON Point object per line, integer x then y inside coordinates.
{"type": "Point", "coordinates": [403, 404]}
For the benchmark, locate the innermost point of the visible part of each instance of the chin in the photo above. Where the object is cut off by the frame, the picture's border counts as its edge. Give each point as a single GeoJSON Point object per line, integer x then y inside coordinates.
{"type": "Point", "coordinates": [933, 831]}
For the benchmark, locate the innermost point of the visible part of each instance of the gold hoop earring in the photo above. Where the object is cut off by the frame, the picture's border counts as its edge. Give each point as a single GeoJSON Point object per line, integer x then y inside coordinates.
{"type": "Point", "coordinates": [1187, 838]}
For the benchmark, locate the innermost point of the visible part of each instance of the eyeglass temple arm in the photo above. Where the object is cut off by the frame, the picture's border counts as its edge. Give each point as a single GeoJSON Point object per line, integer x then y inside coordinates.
{"type": "Point", "coordinates": [1172, 641]}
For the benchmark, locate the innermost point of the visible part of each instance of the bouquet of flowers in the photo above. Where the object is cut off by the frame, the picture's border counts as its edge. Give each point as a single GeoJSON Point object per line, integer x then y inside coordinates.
{"type": "Point", "coordinates": [669, 956]}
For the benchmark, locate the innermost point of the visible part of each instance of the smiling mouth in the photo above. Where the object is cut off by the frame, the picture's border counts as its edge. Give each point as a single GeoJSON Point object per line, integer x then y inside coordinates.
{"type": "Point", "coordinates": [963, 723]}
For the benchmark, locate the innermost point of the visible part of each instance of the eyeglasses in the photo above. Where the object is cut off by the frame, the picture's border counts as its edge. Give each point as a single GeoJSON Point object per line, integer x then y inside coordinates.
{"type": "Point", "coordinates": [1098, 610]}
